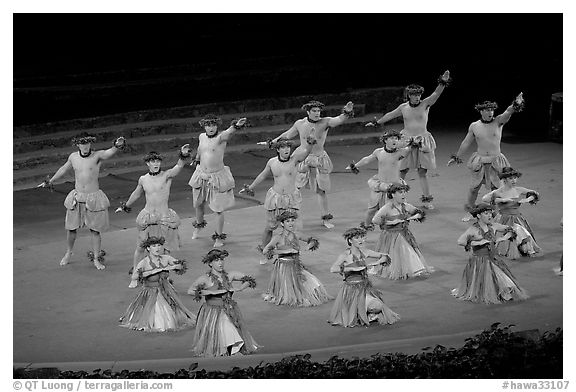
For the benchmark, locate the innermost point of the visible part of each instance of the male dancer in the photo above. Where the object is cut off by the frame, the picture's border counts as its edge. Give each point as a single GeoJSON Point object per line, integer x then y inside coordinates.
{"type": "Point", "coordinates": [156, 219]}
{"type": "Point", "coordinates": [487, 162]}
{"type": "Point", "coordinates": [415, 115]}
{"type": "Point", "coordinates": [317, 167]}
{"type": "Point", "coordinates": [389, 158]}
{"type": "Point", "coordinates": [212, 181]}
{"type": "Point", "coordinates": [86, 205]}
{"type": "Point", "coordinates": [284, 194]}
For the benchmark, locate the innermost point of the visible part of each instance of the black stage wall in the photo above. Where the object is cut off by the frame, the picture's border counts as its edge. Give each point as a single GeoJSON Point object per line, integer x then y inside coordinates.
{"type": "Point", "coordinates": [71, 66]}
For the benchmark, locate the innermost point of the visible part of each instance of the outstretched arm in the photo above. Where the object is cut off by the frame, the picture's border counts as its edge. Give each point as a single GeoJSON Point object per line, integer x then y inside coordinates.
{"type": "Point", "coordinates": [347, 112]}
{"type": "Point", "coordinates": [59, 173]}
{"type": "Point", "coordinates": [516, 106]}
{"type": "Point", "coordinates": [390, 115]}
{"type": "Point", "coordinates": [261, 177]}
{"type": "Point", "coordinates": [442, 83]}
{"type": "Point", "coordinates": [289, 134]}
{"type": "Point", "coordinates": [119, 144]}
{"type": "Point", "coordinates": [366, 160]}
{"type": "Point", "coordinates": [184, 156]}
{"type": "Point", "coordinates": [236, 125]}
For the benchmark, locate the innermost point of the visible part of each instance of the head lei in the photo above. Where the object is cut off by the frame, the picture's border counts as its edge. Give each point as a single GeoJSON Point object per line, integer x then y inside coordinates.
{"type": "Point", "coordinates": [395, 187]}
{"type": "Point", "coordinates": [313, 104]}
{"type": "Point", "coordinates": [414, 89]}
{"type": "Point", "coordinates": [152, 241]}
{"type": "Point", "coordinates": [486, 105]}
{"type": "Point", "coordinates": [210, 119]}
{"type": "Point", "coordinates": [215, 254]}
{"type": "Point", "coordinates": [282, 142]}
{"type": "Point", "coordinates": [354, 232]}
{"type": "Point", "coordinates": [285, 215]}
{"type": "Point", "coordinates": [152, 156]}
{"type": "Point", "coordinates": [390, 133]}
{"type": "Point", "coordinates": [480, 208]}
{"type": "Point", "coordinates": [83, 138]}
{"type": "Point", "coordinates": [508, 172]}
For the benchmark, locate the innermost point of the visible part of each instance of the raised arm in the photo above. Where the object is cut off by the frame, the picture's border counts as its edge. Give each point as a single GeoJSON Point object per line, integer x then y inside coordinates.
{"type": "Point", "coordinates": [347, 112]}
{"type": "Point", "coordinates": [516, 106]}
{"type": "Point", "coordinates": [184, 157]}
{"type": "Point", "coordinates": [443, 81]}
{"type": "Point", "coordinates": [236, 125]}
{"type": "Point", "coordinates": [289, 134]}
{"type": "Point", "coordinates": [119, 144]}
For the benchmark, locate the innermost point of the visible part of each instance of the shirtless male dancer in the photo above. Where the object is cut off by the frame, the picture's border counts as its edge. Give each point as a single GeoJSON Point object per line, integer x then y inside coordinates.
{"type": "Point", "coordinates": [156, 219]}
{"type": "Point", "coordinates": [389, 158]}
{"type": "Point", "coordinates": [487, 162]}
{"type": "Point", "coordinates": [86, 205]}
{"type": "Point", "coordinates": [415, 115]}
{"type": "Point", "coordinates": [284, 194]}
{"type": "Point", "coordinates": [316, 168]}
{"type": "Point", "coordinates": [212, 181]}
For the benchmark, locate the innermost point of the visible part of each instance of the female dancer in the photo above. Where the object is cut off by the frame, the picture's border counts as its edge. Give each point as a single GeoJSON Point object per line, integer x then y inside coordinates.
{"type": "Point", "coordinates": [358, 303]}
{"type": "Point", "coordinates": [508, 199]}
{"type": "Point", "coordinates": [486, 277]}
{"type": "Point", "coordinates": [157, 308]}
{"type": "Point", "coordinates": [290, 282]}
{"type": "Point", "coordinates": [396, 239]}
{"type": "Point", "coordinates": [220, 328]}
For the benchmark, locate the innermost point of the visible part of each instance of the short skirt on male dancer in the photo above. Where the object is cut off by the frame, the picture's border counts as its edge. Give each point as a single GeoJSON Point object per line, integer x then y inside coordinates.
{"type": "Point", "coordinates": [420, 158]}
{"type": "Point", "coordinates": [322, 164]}
{"type": "Point", "coordinates": [276, 203]}
{"type": "Point", "coordinates": [216, 188]}
{"type": "Point", "coordinates": [86, 210]}
{"type": "Point", "coordinates": [485, 169]}
{"type": "Point", "coordinates": [157, 225]}
{"type": "Point", "coordinates": [378, 190]}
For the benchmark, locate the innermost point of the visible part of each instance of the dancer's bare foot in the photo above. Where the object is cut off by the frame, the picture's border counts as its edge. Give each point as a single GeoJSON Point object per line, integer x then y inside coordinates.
{"type": "Point", "coordinates": [99, 265]}
{"type": "Point", "coordinates": [218, 243]}
{"type": "Point", "coordinates": [66, 259]}
{"type": "Point", "coordinates": [327, 224]}
{"type": "Point", "coordinates": [195, 233]}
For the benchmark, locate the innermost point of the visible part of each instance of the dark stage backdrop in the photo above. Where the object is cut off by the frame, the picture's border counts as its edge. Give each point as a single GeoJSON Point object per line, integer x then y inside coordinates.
{"type": "Point", "coordinates": [72, 66]}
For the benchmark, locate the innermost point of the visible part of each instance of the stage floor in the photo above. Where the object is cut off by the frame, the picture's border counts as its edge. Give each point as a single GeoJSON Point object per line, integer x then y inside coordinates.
{"type": "Point", "coordinates": [70, 314]}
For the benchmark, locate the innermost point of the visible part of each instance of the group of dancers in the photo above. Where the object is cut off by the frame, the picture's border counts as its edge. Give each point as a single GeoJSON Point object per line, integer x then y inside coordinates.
{"type": "Point", "coordinates": [498, 230]}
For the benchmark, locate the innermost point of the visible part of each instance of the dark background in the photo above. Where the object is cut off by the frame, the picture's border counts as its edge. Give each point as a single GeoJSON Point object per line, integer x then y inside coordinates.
{"type": "Point", "coordinates": [73, 66]}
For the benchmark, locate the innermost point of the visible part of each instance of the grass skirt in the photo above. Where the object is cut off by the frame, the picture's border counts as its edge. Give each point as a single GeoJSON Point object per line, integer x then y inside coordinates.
{"type": "Point", "coordinates": [407, 260]}
{"type": "Point", "coordinates": [354, 303]}
{"type": "Point", "coordinates": [291, 284]}
{"type": "Point", "coordinates": [220, 330]}
{"type": "Point", "coordinates": [488, 280]}
{"type": "Point", "coordinates": [157, 309]}
{"type": "Point", "coordinates": [524, 244]}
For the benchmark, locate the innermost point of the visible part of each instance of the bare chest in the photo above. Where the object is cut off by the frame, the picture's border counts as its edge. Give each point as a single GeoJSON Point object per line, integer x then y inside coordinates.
{"type": "Point", "coordinates": [154, 184]}
{"type": "Point", "coordinates": [283, 169]}
{"type": "Point", "coordinates": [211, 145]}
{"type": "Point", "coordinates": [86, 165]}
{"type": "Point", "coordinates": [488, 132]}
